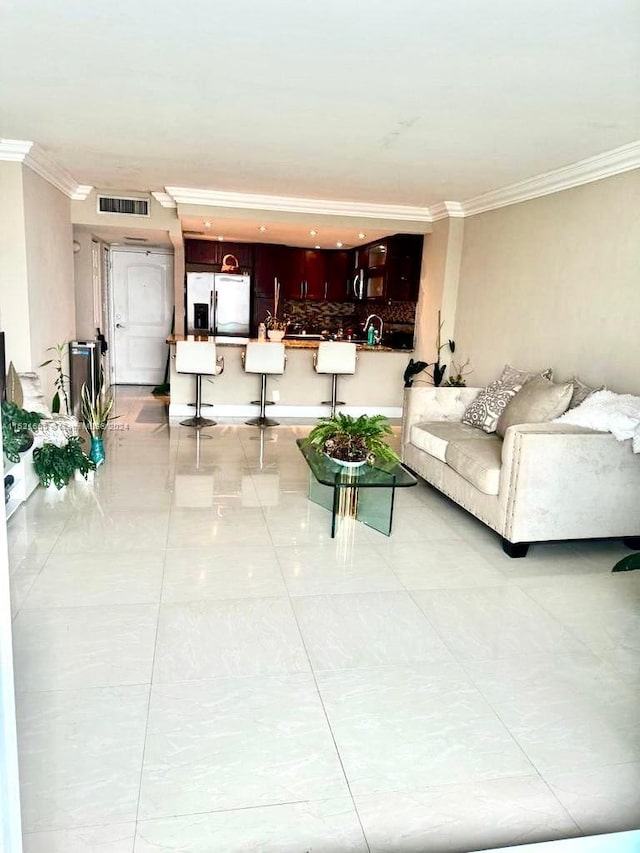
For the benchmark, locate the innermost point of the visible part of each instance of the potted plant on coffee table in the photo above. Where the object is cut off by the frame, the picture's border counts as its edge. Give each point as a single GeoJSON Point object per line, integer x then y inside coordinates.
{"type": "Point", "coordinates": [353, 441]}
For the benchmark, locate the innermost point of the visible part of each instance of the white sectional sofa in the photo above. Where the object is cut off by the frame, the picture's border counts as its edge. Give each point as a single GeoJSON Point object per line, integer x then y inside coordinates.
{"type": "Point", "coordinates": [544, 481]}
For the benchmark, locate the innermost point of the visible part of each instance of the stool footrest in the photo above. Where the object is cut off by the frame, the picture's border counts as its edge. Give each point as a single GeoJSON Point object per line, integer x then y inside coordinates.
{"type": "Point", "coordinates": [331, 403]}
{"type": "Point", "coordinates": [262, 422]}
{"type": "Point", "coordinates": [266, 402]}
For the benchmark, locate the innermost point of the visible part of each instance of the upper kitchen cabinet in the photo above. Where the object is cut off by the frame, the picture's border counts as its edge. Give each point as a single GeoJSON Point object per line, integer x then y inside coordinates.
{"type": "Point", "coordinates": [404, 262]}
{"type": "Point", "coordinates": [268, 265]}
{"type": "Point", "coordinates": [391, 267]}
{"type": "Point", "coordinates": [212, 252]}
{"type": "Point", "coordinates": [339, 276]}
{"type": "Point", "coordinates": [304, 274]}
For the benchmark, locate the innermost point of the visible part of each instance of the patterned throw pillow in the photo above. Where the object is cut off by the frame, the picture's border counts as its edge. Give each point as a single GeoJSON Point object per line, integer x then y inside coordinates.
{"type": "Point", "coordinates": [511, 376]}
{"type": "Point", "coordinates": [580, 392]}
{"type": "Point", "coordinates": [484, 412]}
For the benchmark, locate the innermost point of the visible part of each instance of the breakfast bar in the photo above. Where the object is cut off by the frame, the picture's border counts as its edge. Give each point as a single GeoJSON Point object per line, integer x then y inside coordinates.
{"type": "Point", "coordinates": [375, 388]}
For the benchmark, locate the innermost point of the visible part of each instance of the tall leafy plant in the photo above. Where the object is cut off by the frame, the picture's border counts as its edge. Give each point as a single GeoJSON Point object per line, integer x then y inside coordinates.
{"type": "Point", "coordinates": [61, 379]}
{"type": "Point", "coordinates": [96, 411]}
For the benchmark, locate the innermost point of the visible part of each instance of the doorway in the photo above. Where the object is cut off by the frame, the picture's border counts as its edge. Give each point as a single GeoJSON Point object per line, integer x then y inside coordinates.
{"type": "Point", "coordinates": [142, 304]}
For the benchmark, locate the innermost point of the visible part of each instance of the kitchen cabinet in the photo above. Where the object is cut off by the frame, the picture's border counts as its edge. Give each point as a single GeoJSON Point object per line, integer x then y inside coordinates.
{"type": "Point", "coordinates": [304, 274]}
{"type": "Point", "coordinates": [267, 267]}
{"type": "Point", "coordinates": [338, 276]}
{"type": "Point", "coordinates": [391, 267]}
{"type": "Point", "coordinates": [213, 251]}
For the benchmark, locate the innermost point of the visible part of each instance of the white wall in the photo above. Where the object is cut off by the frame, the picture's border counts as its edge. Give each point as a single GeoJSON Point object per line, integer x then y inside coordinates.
{"type": "Point", "coordinates": [49, 244]}
{"type": "Point", "coordinates": [555, 282]}
{"type": "Point", "coordinates": [14, 295]}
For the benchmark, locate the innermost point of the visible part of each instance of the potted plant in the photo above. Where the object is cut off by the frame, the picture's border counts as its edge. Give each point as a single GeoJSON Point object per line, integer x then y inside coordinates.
{"type": "Point", "coordinates": [17, 426]}
{"type": "Point", "coordinates": [56, 464]}
{"type": "Point", "coordinates": [61, 379]}
{"type": "Point", "coordinates": [96, 414]}
{"type": "Point", "coordinates": [276, 328]}
{"type": "Point", "coordinates": [353, 441]}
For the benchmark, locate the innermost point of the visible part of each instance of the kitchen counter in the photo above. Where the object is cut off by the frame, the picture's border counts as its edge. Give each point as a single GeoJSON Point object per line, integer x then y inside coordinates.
{"type": "Point", "coordinates": [296, 343]}
{"type": "Point", "coordinates": [377, 386]}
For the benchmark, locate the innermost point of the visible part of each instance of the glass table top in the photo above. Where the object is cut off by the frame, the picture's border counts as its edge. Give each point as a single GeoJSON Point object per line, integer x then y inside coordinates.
{"type": "Point", "coordinates": [379, 475]}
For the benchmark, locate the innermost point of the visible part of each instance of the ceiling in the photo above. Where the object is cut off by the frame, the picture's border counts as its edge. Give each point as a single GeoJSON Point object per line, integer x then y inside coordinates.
{"type": "Point", "coordinates": [407, 103]}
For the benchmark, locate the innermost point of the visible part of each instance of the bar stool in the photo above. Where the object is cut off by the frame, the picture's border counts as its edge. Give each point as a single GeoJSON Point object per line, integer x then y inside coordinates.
{"type": "Point", "coordinates": [266, 359]}
{"type": "Point", "coordinates": [198, 357]}
{"type": "Point", "coordinates": [339, 359]}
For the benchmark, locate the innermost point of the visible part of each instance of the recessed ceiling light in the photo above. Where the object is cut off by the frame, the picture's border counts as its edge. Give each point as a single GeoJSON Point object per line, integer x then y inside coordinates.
{"type": "Point", "coordinates": [262, 228]}
{"type": "Point", "coordinates": [207, 224]}
{"type": "Point", "coordinates": [317, 247]}
{"type": "Point", "coordinates": [339, 244]}
{"type": "Point", "coordinates": [220, 237]}
{"type": "Point", "coordinates": [313, 232]}
{"type": "Point", "coordinates": [361, 236]}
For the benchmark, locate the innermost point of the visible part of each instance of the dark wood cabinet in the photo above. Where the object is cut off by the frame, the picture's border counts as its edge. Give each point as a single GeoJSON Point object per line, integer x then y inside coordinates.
{"type": "Point", "coordinates": [391, 267]}
{"type": "Point", "coordinates": [304, 274]}
{"type": "Point", "coordinates": [404, 262]}
{"type": "Point", "coordinates": [338, 276]}
{"type": "Point", "coordinates": [212, 252]}
{"type": "Point", "coordinates": [267, 267]}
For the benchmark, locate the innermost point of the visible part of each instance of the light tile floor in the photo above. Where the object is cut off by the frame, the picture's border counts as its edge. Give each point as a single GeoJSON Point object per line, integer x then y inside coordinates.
{"type": "Point", "coordinates": [200, 668]}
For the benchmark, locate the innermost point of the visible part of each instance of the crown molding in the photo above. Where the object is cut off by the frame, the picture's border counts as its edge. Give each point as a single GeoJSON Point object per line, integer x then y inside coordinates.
{"type": "Point", "coordinates": [291, 204]}
{"type": "Point", "coordinates": [606, 165]}
{"type": "Point", "coordinates": [446, 210]}
{"type": "Point", "coordinates": [164, 199]}
{"type": "Point", "coordinates": [24, 151]}
{"type": "Point", "coordinates": [14, 150]}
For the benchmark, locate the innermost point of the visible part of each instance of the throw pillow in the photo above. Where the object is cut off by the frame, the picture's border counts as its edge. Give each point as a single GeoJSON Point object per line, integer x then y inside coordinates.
{"type": "Point", "coordinates": [33, 399]}
{"type": "Point", "coordinates": [580, 392]}
{"type": "Point", "coordinates": [14, 386]}
{"type": "Point", "coordinates": [512, 376]}
{"type": "Point", "coordinates": [487, 407]}
{"type": "Point", "coordinates": [539, 401]}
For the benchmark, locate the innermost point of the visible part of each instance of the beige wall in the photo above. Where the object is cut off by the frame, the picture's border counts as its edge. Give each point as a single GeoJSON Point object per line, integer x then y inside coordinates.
{"type": "Point", "coordinates": [555, 282]}
{"type": "Point", "coordinates": [49, 242]}
{"type": "Point", "coordinates": [14, 295]}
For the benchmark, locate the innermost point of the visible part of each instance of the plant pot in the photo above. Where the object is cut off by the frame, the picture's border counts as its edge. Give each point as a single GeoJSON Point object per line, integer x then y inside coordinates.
{"type": "Point", "coordinates": [96, 453]}
{"type": "Point", "coordinates": [275, 334]}
{"type": "Point", "coordinates": [346, 464]}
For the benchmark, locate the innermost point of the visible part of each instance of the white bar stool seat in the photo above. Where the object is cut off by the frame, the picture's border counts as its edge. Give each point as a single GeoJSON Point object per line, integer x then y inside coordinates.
{"type": "Point", "coordinates": [339, 359]}
{"type": "Point", "coordinates": [199, 358]}
{"type": "Point", "coordinates": [266, 358]}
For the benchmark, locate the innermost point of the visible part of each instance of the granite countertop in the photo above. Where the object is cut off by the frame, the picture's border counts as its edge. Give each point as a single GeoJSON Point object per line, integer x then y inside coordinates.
{"type": "Point", "coordinates": [297, 344]}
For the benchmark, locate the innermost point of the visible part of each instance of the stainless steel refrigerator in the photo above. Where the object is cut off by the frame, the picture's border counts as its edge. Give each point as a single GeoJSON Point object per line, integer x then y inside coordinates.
{"type": "Point", "coordinates": [218, 303]}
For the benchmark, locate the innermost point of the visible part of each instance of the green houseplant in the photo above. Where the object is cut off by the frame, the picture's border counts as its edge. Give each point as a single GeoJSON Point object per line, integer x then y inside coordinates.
{"type": "Point", "coordinates": [17, 426]}
{"type": "Point", "coordinates": [353, 440]}
{"type": "Point", "coordinates": [61, 379]}
{"type": "Point", "coordinates": [57, 464]}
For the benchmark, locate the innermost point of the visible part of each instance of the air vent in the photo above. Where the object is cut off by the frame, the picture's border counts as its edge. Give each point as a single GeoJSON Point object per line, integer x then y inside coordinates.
{"type": "Point", "coordinates": [126, 206]}
{"type": "Point", "coordinates": [136, 239]}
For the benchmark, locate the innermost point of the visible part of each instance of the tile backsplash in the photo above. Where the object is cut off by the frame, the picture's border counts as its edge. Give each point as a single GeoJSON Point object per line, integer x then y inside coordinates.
{"type": "Point", "coordinates": [315, 316]}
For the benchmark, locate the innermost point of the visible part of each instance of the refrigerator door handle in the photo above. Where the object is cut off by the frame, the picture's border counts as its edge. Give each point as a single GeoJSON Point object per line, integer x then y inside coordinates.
{"type": "Point", "coordinates": [212, 311]}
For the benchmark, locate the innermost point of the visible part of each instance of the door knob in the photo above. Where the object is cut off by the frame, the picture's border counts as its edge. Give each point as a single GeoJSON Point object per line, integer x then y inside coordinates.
{"type": "Point", "coordinates": [120, 326]}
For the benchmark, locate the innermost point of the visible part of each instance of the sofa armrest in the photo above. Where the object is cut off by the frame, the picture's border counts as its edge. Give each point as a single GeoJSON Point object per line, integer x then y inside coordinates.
{"type": "Point", "coordinates": [560, 481]}
{"type": "Point", "coordinates": [428, 403]}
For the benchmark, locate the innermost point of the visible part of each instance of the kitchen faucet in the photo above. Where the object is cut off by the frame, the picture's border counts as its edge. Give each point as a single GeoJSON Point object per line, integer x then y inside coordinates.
{"type": "Point", "coordinates": [369, 321]}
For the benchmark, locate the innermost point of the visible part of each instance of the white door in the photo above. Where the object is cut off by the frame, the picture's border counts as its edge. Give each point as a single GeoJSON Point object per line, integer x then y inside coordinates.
{"type": "Point", "coordinates": [142, 305]}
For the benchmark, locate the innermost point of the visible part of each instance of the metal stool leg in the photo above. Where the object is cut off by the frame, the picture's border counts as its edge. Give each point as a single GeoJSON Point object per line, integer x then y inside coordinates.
{"type": "Point", "coordinates": [333, 402]}
{"type": "Point", "coordinates": [198, 421]}
{"type": "Point", "coordinates": [262, 420]}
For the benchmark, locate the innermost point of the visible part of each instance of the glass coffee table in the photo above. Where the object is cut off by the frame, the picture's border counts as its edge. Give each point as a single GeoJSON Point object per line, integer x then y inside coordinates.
{"type": "Point", "coordinates": [366, 493]}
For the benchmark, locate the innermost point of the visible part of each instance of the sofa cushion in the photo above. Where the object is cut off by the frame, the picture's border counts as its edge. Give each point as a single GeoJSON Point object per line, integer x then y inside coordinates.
{"type": "Point", "coordinates": [580, 392]}
{"type": "Point", "coordinates": [538, 401]}
{"type": "Point", "coordinates": [512, 376]}
{"type": "Point", "coordinates": [484, 411]}
{"type": "Point", "coordinates": [434, 436]}
{"type": "Point", "coordinates": [478, 462]}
